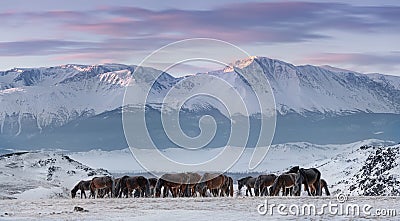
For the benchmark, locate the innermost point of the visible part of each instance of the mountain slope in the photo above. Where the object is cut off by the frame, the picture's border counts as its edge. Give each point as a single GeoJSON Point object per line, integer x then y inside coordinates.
{"type": "Point", "coordinates": [41, 174]}
{"type": "Point", "coordinates": [50, 103]}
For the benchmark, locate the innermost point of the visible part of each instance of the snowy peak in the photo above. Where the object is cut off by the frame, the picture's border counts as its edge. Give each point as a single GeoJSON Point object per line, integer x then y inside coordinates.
{"type": "Point", "coordinates": [309, 88]}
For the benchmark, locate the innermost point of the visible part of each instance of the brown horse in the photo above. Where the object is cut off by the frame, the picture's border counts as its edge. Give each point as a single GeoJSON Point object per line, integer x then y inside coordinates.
{"type": "Point", "coordinates": [82, 186]}
{"type": "Point", "coordinates": [228, 186]}
{"type": "Point", "coordinates": [188, 188]}
{"type": "Point", "coordinates": [138, 183]}
{"type": "Point", "coordinates": [324, 185]}
{"type": "Point", "coordinates": [214, 182]}
{"type": "Point", "coordinates": [152, 185]}
{"type": "Point", "coordinates": [307, 177]}
{"type": "Point", "coordinates": [248, 182]}
{"type": "Point", "coordinates": [262, 183]}
{"type": "Point", "coordinates": [285, 182]}
{"type": "Point", "coordinates": [101, 183]}
{"type": "Point", "coordinates": [170, 182]}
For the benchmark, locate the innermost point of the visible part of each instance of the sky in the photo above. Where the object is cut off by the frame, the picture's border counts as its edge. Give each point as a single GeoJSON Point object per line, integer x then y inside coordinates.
{"type": "Point", "coordinates": [361, 36]}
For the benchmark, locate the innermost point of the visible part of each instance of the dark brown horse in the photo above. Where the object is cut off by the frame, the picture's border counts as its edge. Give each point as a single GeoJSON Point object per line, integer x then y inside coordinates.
{"type": "Point", "coordinates": [228, 186]}
{"type": "Point", "coordinates": [307, 177]}
{"type": "Point", "coordinates": [102, 183]}
{"type": "Point", "coordinates": [130, 183]}
{"type": "Point", "coordinates": [83, 185]}
{"type": "Point", "coordinates": [120, 188]}
{"type": "Point", "coordinates": [248, 182]}
{"type": "Point", "coordinates": [213, 182]}
{"type": "Point", "coordinates": [285, 182]}
{"type": "Point", "coordinates": [262, 183]}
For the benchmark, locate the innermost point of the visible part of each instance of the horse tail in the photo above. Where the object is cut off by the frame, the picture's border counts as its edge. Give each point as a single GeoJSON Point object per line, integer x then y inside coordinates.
{"type": "Point", "coordinates": [325, 185]}
{"type": "Point", "coordinates": [117, 188]}
{"type": "Point", "coordinates": [318, 185]}
{"type": "Point", "coordinates": [112, 187]}
{"type": "Point", "coordinates": [147, 188]}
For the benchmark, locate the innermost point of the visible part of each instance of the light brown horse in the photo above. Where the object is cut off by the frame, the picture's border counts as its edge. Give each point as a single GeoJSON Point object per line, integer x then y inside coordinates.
{"type": "Point", "coordinates": [262, 183]}
{"type": "Point", "coordinates": [285, 182]}
{"type": "Point", "coordinates": [214, 182]}
{"type": "Point", "coordinates": [83, 185]}
{"type": "Point", "coordinates": [323, 184]}
{"type": "Point", "coordinates": [101, 183]}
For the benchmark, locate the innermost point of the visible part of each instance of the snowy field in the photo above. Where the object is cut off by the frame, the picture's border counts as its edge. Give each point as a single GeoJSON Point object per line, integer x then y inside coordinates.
{"type": "Point", "coordinates": [237, 208]}
{"type": "Point", "coordinates": [36, 185]}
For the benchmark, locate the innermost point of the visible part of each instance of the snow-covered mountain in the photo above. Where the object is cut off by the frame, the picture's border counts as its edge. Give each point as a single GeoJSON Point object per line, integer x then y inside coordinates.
{"type": "Point", "coordinates": [42, 174]}
{"type": "Point", "coordinates": [37, 101]}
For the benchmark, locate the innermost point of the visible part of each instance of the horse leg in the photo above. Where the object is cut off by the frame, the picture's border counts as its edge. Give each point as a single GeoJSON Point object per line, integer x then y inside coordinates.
{"type": "Point", "coordinates": [307, 189]}
{"type": "Point", "coordinates": [165, 190]}
{"type": "Point", "coordinates": [266, 191]}
{"type": "Point", "coordinates": [83, 192]}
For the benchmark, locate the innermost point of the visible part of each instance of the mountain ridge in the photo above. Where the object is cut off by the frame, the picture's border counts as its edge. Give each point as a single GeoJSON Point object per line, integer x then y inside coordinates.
{"type": "Point", "coordinates": [39, 100]}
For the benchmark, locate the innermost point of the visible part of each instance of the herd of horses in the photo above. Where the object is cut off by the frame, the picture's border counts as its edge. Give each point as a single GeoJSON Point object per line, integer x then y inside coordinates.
{"type": "Point", "coordinates": [209, 184]}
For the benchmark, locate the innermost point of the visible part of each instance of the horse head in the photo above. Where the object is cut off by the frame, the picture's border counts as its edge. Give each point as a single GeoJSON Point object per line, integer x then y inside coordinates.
{"type": "Point", "coordinates": [240, 184]}
{"type": "Point", "coordinates": [294, 169]}
{"type": "Point", "coordinates": [73, 193]}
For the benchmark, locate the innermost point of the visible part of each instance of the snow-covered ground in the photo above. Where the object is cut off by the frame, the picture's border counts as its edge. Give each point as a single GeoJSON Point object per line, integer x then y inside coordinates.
{"type": "Point", "coordinates": [36, 185]}
{"type": "Point", "coordinates": [221, 208]}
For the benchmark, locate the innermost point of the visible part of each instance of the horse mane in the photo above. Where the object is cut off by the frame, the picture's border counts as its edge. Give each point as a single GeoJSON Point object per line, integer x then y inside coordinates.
{"type": "Point", "coordinates": [294, 169]}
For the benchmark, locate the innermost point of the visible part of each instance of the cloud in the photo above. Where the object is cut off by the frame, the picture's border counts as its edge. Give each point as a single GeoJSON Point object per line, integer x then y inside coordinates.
{"type": "Point", "coordinates": [240, 23]}
{"type": "Point", "coordinates": [118, 32]}
{"type": "Point", "coordinates": [354, 58]}
{"type": "Point", "coordinates": [247, 22]}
